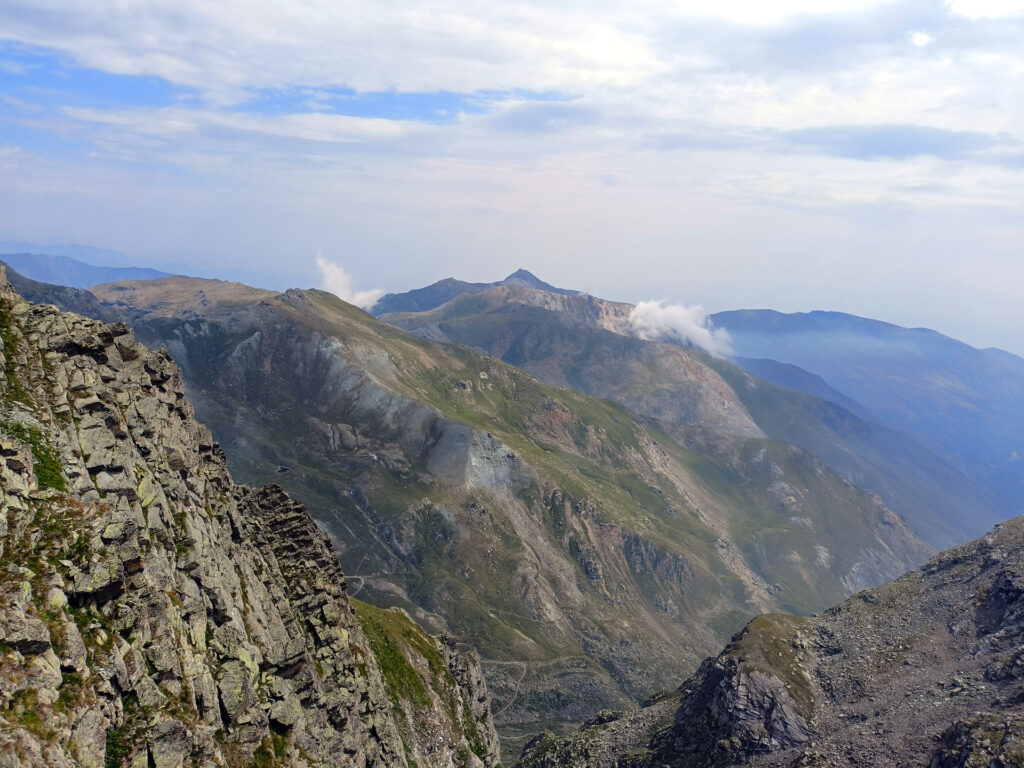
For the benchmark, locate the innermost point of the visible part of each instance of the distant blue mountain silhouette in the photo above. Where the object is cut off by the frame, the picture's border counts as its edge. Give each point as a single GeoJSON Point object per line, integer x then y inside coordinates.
{"type": "Point", "coordinates": [64, 270]}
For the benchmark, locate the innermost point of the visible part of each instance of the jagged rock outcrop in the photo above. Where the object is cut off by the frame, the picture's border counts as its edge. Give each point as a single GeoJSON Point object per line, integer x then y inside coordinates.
{"type": "Point", "coordinates": [925, 671]}
{"type": "Point", "coordinates": [153, 613]}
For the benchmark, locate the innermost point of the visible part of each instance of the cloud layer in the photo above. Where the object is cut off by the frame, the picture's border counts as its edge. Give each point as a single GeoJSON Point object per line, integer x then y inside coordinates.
{"type": "Point", "coordinates": [679, 323]}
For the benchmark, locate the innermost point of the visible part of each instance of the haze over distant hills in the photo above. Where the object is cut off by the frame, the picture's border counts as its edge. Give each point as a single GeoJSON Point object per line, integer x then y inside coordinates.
{"type": "Point", "coordinates": [64, 270]}
{"type": "Point", "coordinates": [84, 266]}
{"type": "Point", "coordinates": [965, 404]}
{"type": "Point", "coordinates": [951, 477]}
{"type": "Point", "coordinates": [586, 343]}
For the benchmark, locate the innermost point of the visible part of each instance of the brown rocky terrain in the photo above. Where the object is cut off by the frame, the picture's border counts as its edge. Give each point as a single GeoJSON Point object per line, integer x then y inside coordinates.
{"type": "Point", "coordinates": [925, 671]}
{"type": "Point", "coordinates": [154, 613]}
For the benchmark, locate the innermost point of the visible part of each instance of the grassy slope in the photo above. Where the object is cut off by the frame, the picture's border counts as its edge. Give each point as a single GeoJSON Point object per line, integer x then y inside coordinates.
{"type": "Point", "coordinates": [421, 687]}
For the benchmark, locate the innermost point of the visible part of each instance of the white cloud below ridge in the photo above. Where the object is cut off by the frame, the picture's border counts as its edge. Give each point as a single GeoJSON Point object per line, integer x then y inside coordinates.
{"type": "Point", "coordinates": [339, 282]}
{"type": "Point", "coordinates": [677, 322]}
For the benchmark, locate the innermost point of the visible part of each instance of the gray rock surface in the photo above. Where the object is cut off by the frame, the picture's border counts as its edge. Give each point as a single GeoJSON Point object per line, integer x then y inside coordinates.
{"type": "Point", "coordinates": [153, 613]}
{"type": "Point", "coordinates": [925, 671]}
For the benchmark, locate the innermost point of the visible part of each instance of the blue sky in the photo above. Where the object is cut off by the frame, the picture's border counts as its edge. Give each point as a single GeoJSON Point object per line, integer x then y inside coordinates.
{"type": "Point", "coordinates": [859, 156]}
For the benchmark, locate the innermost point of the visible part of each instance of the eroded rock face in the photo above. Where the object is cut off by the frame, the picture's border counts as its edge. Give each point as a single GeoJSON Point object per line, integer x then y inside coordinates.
{"type": "Point", "coordinates": [152, 612]}
{"type": "Point", "coordinates": [736, 712]}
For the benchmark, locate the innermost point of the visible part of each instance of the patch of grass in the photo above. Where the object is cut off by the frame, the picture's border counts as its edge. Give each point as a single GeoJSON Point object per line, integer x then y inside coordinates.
{"type": "Point", "coordinates": [15, 389]}
{"type": "Point", "coordinates": [118, 748]}
{"type": "Point", "coordinates": [70, 693]}
{"type": "Point", "coordinates": [24, 709]}
{"type": "Point", "coordinates": [44, 458]}
{"type": "Point", "coordinates": [280, 747]}
{"type": "Point", "coordinates": [390, 634]}
{"type": "Point", "coordinates": [263, 757]}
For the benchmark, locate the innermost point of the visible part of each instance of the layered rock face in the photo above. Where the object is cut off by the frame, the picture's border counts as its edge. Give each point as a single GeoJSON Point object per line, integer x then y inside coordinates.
{"type": "Point", "coordinates": [926, 671]}
{"type": "Point", "coordinates": [153, 613]}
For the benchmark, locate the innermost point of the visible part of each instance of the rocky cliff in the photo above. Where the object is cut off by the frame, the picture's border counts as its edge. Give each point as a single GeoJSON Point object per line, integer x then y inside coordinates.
{"type": "Point", "coordinates": [153, 613]}
{"type": "Point", "coordinates": [925, 671]}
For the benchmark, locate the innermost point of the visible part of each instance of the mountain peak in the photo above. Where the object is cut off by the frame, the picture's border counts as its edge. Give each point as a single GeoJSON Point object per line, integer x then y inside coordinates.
{"type": "Point", "coordinates": [524, 275]}
{"type": "Point", "coordinates": [528, 279]}
{"type": "Point", "coordinates": [443, 291]}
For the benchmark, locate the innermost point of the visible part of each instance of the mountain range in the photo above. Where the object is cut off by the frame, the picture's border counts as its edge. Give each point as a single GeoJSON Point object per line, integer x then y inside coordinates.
{"type": "Point", "coordinates": [586, 552]}
{"type": "Point", "coordinates": [585, 343]}
{"type": "Point", "coordinates": [445, 290]}
{"type": "Point", "coordinates": [964, 404]}
{"type": "Point", "coordinates": [593, 511]}
{"type": "Point", "coordinates": [64, 270]}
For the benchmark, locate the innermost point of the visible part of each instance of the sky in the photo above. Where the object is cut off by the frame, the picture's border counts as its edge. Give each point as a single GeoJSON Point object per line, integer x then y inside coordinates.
{"type": "Point", "coordinates": [865, 157]}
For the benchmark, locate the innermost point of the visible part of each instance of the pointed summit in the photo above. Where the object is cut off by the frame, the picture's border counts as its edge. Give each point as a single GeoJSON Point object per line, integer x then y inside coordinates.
{"type": "Point", "coordinates": [529, 280]}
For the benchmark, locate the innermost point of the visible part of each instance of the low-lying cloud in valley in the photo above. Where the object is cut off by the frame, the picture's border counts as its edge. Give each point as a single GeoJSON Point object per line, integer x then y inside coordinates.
{"type": "Point", "coordinates": [339, 282]}
{"type": "Point", "coordinates": [678, 322]}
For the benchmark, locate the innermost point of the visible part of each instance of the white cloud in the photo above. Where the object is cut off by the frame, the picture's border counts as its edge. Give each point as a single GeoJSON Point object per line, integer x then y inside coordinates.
{"type": "Point", "coordinates": [678, 322]}
{"type": "Point", "coordinates": [920, 39]}
{"type": "Point", "coordinates": [764, 13]}
{"type": "Point", "coordinates": [976, 9]}
{"type": "Point", "coordinates": [225, 48]}
{"type": "Point", "coordinates": [339, 282]}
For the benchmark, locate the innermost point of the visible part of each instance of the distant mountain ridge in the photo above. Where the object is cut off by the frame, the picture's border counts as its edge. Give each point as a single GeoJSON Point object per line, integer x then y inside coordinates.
{"type": "Point", "coordinates": [101, 257]}
{"type": "Point", "coordinates": [76, 266]}
{"type": "Point", "coordinates": [436, 294]}
{"type": "Point", "coordinates": [965, 404]}
{"type": "Point", "coordinates": [64, 270]}
{"type": "Point", "coordinates": [586, 343]}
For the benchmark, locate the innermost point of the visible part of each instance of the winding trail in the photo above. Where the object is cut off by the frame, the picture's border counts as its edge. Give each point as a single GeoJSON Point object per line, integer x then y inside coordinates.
{"type": "Point", "coordinates": [515, 695]}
